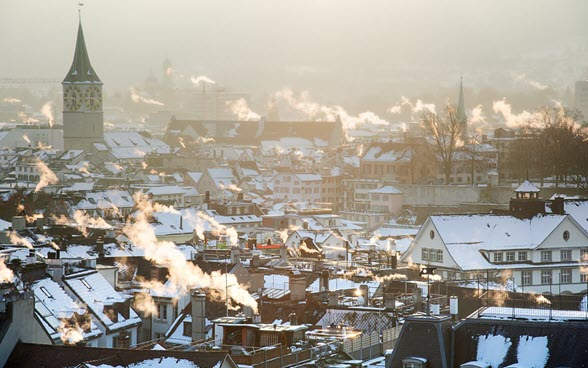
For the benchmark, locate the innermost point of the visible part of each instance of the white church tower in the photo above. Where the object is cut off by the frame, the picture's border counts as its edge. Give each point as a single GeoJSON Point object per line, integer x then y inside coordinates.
{"type": "Point", "coordinates": [83, 122]}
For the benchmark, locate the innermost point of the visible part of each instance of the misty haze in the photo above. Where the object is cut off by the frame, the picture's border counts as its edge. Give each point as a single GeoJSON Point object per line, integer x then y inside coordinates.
{"type": "Point", "coordinates": [265, 184]}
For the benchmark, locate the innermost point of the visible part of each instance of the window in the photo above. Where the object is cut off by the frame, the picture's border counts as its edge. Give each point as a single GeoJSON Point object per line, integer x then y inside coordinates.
{"type": "Point", "coordinates": [187, 328]}
{"type": "Point", "coordinates": [583, 277]}
{"type": "Point", "coordinates": [432, 234]}
{"type": "Point", "coordinates": [522, 256]}
{"type": "Point", "coordinates": [583, 255]}
{"type": "Point", "coordinates": [414, 362]}
{"type": "Point", "coordinates": [510, 256]}
{"type": "Point", "coordinates": [527, 277]}
{"type": "Point", "coordinates": [566, 255]}
{"type": "Point", "coordinates": [546, 277]}
{"type": "Point", "coordinates": [85, 283]}
{"type": "Point", "coordinates": [162, 311]}
{"type": "Point", "coordinates": [498, 257]}
{"type": "Point", "coordinates": [566, 235]}
{"type": "Point", "coordinates": [565, 276]}
{"type": "Point", "coordinates": [432, 255]}
{"type": "Point", "coordinates": [425, 254]}
{"type": "Point", "coordinates": [46, 292]}
{"type": "Point", "coordinates": [545, 256]}
{"type": "Point", "coordinates": [439, 255]}
{"type": "Point", "coordinates": [122, 341]}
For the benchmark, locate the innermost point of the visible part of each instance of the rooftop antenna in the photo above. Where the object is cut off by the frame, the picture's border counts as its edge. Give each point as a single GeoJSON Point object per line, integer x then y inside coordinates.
{"type": "Point", "coordinates": [80, 4]}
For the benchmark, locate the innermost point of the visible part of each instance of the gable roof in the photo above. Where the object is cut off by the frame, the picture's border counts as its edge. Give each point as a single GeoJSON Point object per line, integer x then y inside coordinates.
{"type": "Point", "coordinates": [52, 305]}
{"type": "Point", "coordinates": [93, 290]}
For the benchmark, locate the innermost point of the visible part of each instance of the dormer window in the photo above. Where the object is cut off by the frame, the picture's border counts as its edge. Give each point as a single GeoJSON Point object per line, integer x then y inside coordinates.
{"type": "Point", "coordinates": [414, 362]}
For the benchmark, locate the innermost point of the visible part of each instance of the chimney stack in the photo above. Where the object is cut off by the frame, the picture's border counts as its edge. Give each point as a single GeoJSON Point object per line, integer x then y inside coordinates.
{"type": "Point", "coordinates": [240, 197]}
{"type": "Point", "coordinates": [283, 252]}
{"type": "Point", "coordinates": [31, 257]}
{"type": "Point", "coordinates": [453, 307]}
{"type": "Point", "coordinates": [389, 301]}
{"type": "Point", "coordinates": [198, 312]}
{"type": "Point", "coordinates": [333, 299]}
{"type": "Point", "coordinates": [19, 223]}
{"type": "Point", "coordinates": [235, 254]}
{"type": "Point", "coordinates": [325, 280]}
{"type": "Point", "coordinates": [364, 292]}
{"type": "Point", "coordinates": [557, 206]}
{"type": "Point", "coordinates": [297, 286]}
{"type": "Point", "coordinates": [293, 319]}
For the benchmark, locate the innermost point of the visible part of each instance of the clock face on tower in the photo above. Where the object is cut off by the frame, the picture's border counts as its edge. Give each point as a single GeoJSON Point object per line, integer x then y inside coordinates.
{"type": "Point", "coordinates": [72, 98]}
{"type": "Point", "coordinates": [93, 98]}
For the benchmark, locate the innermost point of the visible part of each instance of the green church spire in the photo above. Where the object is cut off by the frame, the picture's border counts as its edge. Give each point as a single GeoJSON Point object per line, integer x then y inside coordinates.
{"type": "Point", "coordinates": [81, 70]}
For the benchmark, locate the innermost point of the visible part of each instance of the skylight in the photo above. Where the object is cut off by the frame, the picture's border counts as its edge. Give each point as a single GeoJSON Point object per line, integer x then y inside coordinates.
{"type": "Point", "coordinates": [85, 283]}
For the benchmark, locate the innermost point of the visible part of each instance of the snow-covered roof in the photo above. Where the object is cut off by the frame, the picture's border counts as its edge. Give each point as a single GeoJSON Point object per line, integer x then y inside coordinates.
{"type": "Point", "coordinates": [579, 211]}
{"type": "Point", "coordinates": [527, 187]}
{"type": "Point", "coordinates": [377, 153]}
{"type": "Point", "coordinates": [93, 290]}
{"type": "Point", "coordinates": [52, 305]}
{"type": "Point", "coordinates": [496, 231]}
{"type": "Point", "coordinates": [195, 176]}
{"type": "Point", "coordinates": [343, 284]}
{"type": "Point", "coordinates": [309, 177]}
{"type": "Point", "coordinates": [387, 189]}
{"type": "Point", "coordinates": [165, 190]}
{"type": "Point", "coordinates": [106, 199]}
{"type": "Point", "coordinates": [152, 363]}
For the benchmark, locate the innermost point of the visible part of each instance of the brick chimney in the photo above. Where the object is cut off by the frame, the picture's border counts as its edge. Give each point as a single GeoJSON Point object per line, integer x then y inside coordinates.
{"type": "Point", "coordinates": [198, 300]}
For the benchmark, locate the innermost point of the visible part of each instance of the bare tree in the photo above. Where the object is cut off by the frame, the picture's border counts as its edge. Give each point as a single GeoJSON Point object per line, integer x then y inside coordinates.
{"type": "Point", "coordinates": [558, 141]}
{"type": "Point", "coordinates": [444, 136]}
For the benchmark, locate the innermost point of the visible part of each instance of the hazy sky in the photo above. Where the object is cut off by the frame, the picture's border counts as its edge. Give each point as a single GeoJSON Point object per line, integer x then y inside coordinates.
{"type": "Point", "coordinates": [333, 48]}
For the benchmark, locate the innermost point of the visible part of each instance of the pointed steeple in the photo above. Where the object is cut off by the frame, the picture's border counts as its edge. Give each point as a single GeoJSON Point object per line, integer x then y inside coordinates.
{"type": "Point", "coordinates": [81, 70]}
{"type": "Point", "coordinates": [461, 113]}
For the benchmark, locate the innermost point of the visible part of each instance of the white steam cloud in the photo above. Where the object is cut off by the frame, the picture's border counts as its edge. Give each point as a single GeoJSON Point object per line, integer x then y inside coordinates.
{"type": "Point", "coordinates": [47, 111]}
{"type": "Point", "coordinates": [241, 109]}
{"type": "Point", "coordinates": [137, 97]}
{"type": "Point", "coordinates": [201, 79]}
{"type": "Point", "coordinates": [183, 275]}
{"type": "Point", "coordinates": [47, 177]}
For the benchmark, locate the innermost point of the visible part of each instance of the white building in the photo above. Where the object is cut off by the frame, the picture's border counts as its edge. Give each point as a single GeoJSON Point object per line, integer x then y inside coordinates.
{"type": "Point", "coordinates": [543, 254]}
{"type": "Point", "coordinates": [297, 187]}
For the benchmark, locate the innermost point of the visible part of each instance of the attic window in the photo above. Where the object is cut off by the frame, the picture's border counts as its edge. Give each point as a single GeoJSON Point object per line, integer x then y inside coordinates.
{"type": "Point", "coordinates": [432, 234]}
{"type": "Point", "coordinates": [46, 292]}
{"type": "Point", "coordinates": [566, 235]}
{"type": "Point", "coordinates": [125, 198]}
{"type": "Point", "coordinates": [414, 362]}
{"type": "Point", "coordinates": [85, 283]}
{"type": "Point", "coordinates": [91, 200]}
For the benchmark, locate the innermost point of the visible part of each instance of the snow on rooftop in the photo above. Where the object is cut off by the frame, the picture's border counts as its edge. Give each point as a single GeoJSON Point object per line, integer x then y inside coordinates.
{"type": "Point", "coordinates": [533, 351]}
{"type": "Point", "coordinates": [492, 349]}
{"type": "Point", "coordinates": [537, 315]}
{"type": "Point", "coordinates": [527, 187]}
{"type": "Point", "coordinates": [154, 363]}
{"type": "Point", "coordinates": [52, 304]}
{"type": "Point", "coordinates": [387, 189]}
{"type": "Point", "coordinates": [93, 290]}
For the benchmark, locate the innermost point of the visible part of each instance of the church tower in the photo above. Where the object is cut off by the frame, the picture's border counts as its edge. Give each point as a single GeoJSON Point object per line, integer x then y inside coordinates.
{"type": "Point", "coordinates": [461, 113]}
{"type": "Point", "coordinates": [83, 122]}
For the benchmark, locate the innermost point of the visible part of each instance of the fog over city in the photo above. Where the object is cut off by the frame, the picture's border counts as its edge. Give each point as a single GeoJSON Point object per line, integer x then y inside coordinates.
{"type": "Point", "coordinates": [294, 184]}
{"type": "Point", "coordinates": [361, 55]}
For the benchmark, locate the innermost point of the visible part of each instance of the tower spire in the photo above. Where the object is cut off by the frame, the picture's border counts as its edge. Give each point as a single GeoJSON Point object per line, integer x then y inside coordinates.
{"type": "Point", "coordinates": [461, 113]}
{"type": "Point", "coordinates": [81, 69]}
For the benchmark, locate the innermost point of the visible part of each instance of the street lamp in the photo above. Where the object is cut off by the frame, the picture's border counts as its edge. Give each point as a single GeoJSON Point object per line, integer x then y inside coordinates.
{"type": "Point", "coordinates": [428, 271]}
